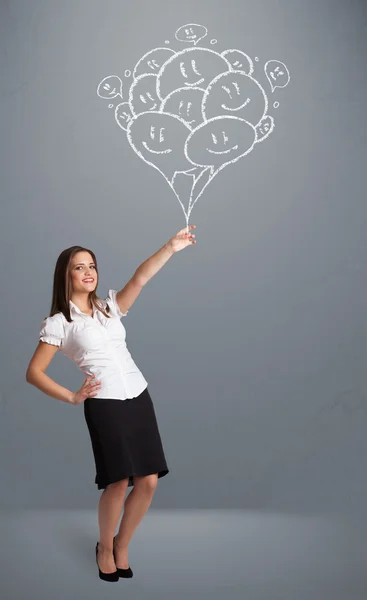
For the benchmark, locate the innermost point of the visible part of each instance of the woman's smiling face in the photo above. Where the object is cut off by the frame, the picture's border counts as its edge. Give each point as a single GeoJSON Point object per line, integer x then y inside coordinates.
{"type": "Point", "coordinates": [83, 268]}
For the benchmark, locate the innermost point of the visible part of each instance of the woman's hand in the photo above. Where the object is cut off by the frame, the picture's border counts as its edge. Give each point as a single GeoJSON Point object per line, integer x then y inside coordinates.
{"type": "Point", "coordinates": [182, 239]}
{"type": "Point", "coordinates": [88, 389]}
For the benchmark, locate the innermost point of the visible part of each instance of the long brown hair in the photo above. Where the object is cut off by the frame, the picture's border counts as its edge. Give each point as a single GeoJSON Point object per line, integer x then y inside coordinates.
{"type": "Point", "coordinates": [62, 286]}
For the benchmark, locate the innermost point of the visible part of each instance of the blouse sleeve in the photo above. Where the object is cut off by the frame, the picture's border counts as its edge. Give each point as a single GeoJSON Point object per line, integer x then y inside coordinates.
{"type": "Point", "coordinates": [112, 302]}
{"type": "Point", "coordinates": [52, 331]}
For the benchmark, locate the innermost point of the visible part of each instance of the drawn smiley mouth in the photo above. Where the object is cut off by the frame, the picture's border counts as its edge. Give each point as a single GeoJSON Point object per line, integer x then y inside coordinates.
{"type": "Point", "coordinates": [156, 151]}
{"type": "Point", "coordinates": [223, 151]}
{"type": "Point", "coordinates": [239, 107]}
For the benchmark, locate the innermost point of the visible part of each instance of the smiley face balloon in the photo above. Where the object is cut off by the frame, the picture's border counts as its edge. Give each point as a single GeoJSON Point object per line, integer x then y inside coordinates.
{"type": "Point", "coordinates": [159, 140]}
{"type": "Point", "coordinates": [123, 115]}
{"type": "Point", "coordinates": [143, 94]}
{"type": "Point", "coordinates": [193, 67]}
{"type": "Point", "coordinates": [220, 141]}
{"type": "Point", "coordinates": [236, 94]}
{"type": "Point", "coordinates": [185, 103]}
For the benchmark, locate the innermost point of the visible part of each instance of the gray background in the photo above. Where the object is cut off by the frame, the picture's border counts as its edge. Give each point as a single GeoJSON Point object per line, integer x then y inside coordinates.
{"type": "Point", "coordinates": [253, 342]}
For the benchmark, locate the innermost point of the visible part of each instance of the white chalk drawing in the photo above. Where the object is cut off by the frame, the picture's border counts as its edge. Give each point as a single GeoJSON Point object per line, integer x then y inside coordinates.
{"type": "Point", "coordinates": [191, 33]}
{"type": "Point", "coordinates": [193, 67]}
{"type": "Point", "coordinates": [190, 113]}
{"type": "Point", "coordinates": [277, 74]}
{"type": "Point", "coordinates": [185, 103]}
{"type": "Point", "coordinates": [152, 61]}
{"type": "Point", "coordinates": [264, 128]}
{"type": "Point", "coordinates": [143, 94]}
{"type": "Point", "coordinates": [237, 94]}
{"type": "Point", "coordinates": [239, 61]}
{"type": "Point", "coordinates": [110, 87]}
{"type": "Point", "coordinates": [123, 115]}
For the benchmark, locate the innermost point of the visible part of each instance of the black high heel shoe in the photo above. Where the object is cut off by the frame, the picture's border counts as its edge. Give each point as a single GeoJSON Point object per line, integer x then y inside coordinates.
{"type": "Point", "coordinates": [106, 576]}
{"type": "Point", "coordinates": [121, 572]}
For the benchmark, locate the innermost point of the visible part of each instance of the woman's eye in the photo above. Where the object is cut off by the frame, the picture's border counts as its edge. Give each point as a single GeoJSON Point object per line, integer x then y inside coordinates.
{"type": "Point", "coordinates": [92, 267]}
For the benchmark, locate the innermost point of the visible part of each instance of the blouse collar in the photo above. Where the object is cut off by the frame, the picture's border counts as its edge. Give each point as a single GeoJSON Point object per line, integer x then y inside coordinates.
{"type": "Point", "coordinates": [77, 309]}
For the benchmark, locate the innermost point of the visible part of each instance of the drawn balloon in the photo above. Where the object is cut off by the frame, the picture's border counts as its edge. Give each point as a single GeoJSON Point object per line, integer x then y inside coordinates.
{"type": "Point", "coordinates": [264, 128]}
{"type": "Point", "coordinates": [123, 115]}
{"type": "Point", "coordinates": [277, 74]}
{"type": "Point", "coordinates": [239, 61]}
{"type": "Point", "coordinates": [110, 87]}
{"type": "Point", "coordinates": [185, 103]}
{"type": "Point", "coordinates": [143, 94]}
{"type": "Point", "coordinates": [152, 61]}
{"type": "Point", "coordinates": [191, 33]}
{"type": "Point", "coordinates": [192, 67]}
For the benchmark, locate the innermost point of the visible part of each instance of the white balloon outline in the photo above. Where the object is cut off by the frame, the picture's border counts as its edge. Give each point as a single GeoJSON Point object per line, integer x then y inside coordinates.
{"type": "Point", "coordinates": [213, 171]}
{"type": "Point", "coordinates": [164, 102]}
{"type": "Point", "coordinates": [133, 86]}
{"type": "Point", "coordinates": [272, 125]}
{"type": "Point", "coordinates": [191, 41]}
{"type": "Point", "coordinates": [225, 52]}
{"type": "Point", "coordinates": [116, 119]}
{"type": "Point", "coordinates": [185, 51]}
{"type": "Point", "coordinates": [144, 57]}
{"type": "Point", "coordinates": [139, 153]}
{"type": "Point", "coordinates": [111, 97]}
{"type": "Point", "coordinates": [270, 81]}
{"type": "Point", "coordinates": [214, 81]}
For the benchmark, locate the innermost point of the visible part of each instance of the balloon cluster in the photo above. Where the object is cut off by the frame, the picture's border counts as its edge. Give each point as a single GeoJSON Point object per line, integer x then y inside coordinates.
{"type": "Point", "coordinates": [192, 112]}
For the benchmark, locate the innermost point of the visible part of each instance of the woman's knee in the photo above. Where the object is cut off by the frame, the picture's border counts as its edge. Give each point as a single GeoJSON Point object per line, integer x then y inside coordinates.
{"type": "Point", "coordinates": [147, 483]}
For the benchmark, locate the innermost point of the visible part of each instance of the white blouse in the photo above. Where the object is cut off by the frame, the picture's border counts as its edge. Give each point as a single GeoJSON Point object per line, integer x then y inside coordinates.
{"type": "Point", "coordinates": [97, 345]}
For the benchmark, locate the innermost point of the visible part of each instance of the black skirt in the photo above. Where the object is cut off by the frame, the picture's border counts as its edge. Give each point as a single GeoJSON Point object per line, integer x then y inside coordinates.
{"type": "Point", "coordinates": [125, 438]}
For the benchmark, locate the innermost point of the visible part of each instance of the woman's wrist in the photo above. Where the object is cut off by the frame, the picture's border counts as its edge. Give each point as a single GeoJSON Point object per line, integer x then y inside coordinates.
{"type": "Point", "coordinates": [166, 245]}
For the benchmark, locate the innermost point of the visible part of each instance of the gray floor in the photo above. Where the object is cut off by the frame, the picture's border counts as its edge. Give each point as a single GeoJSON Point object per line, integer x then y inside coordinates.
{"type": "Point", "coordinates": [183, 554]}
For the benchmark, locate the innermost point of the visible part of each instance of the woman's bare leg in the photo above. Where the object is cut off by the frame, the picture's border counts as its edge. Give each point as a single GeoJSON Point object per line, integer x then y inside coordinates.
{"type": "Point", "coordinates": [135, 507]}
{"type": "Point", "coordinates": [109, 511]}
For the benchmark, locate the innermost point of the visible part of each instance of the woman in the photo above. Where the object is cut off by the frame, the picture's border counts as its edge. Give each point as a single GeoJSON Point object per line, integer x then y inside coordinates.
{"type": "Point", "coordinates": [118, 409]}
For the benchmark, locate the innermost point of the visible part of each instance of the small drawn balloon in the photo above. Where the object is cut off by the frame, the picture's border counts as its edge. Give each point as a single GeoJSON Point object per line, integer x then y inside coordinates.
{"type": "Point", "coordinates": [110, 87]}
{"type": "Point", "coordinates": [239, 61]}
{"type": "Point", "coordinates": [186, 104]}
{"type": "Point", "coordinates": [220, 141]}
{"type": "Point", "coordinates": [123, 115]}
{"type": "Point", "coordinates": [264, 128]}
{"type": "Point", "coordinates": [191, 33]}
{"type": "Point", "coordinates": [159, 139]}
{"type": "Point", "coordinates": [152, 61]}
{"type": "Point", "coordinates": [277, 74]}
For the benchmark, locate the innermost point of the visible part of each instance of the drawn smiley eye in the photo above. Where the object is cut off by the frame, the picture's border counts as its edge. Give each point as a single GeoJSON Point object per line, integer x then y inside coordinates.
{"type": "Point", "coordinates": [149, 95]}
{"type": "Point", "coordinates": [195, 70]}
{"type": "Point", "coordinates": [161, 140]}
{"type": "Point", "coordinates": [225, 140]}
